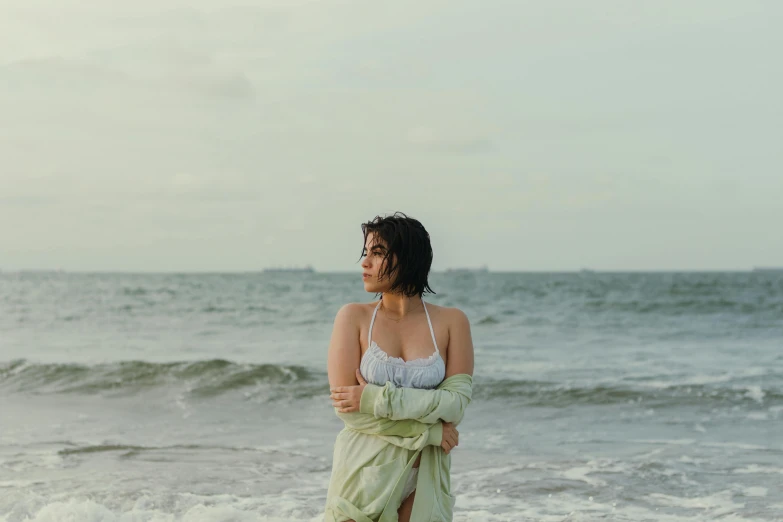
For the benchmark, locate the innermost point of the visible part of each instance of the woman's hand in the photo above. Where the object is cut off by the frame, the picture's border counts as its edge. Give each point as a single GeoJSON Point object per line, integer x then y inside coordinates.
{"type": "Point", "coordinates": [347, 398]}
{"type": "Point", "coordinates": [450, 437]}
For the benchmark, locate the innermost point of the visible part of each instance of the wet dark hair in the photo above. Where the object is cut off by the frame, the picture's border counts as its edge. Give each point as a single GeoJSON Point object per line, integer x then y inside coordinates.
{"type": "Point", "coordinates": [407, 240]}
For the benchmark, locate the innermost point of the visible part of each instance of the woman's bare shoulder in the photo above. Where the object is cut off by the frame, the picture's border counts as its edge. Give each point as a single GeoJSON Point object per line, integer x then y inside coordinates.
{"type": "Point", "coordinates": [354, 312]}
{"type": "Point", "coordinates": [452, 315]}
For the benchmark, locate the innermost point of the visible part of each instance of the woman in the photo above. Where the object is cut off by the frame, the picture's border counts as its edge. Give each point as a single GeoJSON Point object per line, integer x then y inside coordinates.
{"type": "Point", "coordinates": [400, 372]}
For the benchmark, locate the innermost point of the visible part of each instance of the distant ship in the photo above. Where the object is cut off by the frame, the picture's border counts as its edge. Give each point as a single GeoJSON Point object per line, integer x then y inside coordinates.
{"type": "Point", "coordinates": [480, 270]}
{"type": "Point", "coordinates": [306, 269]}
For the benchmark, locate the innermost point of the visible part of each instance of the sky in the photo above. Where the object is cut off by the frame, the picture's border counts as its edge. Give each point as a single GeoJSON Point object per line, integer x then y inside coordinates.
{"type": "Point", "coordinates": [219, 135]}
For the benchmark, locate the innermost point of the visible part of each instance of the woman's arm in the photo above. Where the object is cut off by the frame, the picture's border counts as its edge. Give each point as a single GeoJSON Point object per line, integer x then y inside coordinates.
{"type": "Point", "coordinates": [427, 405]}
{"type": "Point", "coordinates": [460, 345]}
{"type": "Point", "coordinates": [390, 402]}
{"type": "Point", "coordinates": [345, 352]}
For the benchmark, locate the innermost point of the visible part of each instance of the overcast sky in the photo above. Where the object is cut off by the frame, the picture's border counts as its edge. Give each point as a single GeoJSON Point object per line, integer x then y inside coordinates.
{"type": "Point", "coordinates": [207, 135]}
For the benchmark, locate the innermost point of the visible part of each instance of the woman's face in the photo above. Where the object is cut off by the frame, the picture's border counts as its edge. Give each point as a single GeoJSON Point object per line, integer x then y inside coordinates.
{"type": "Point", "coordinates": [372, 264]}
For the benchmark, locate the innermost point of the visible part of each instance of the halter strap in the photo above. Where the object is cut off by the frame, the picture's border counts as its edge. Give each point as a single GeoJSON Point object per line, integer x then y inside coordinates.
{"type": "Point", "coordinates": [432, 332]}
{"type": "Point", "coordinates": [369, 332]}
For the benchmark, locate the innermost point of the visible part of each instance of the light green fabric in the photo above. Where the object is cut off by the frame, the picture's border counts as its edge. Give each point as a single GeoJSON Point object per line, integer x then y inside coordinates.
{"type": "Point", "coordinates": [376, 450]}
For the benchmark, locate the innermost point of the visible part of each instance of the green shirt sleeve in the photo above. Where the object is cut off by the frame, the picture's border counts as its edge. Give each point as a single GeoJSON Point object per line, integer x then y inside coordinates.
{"type": "Point", "coordinates": [427, 406]}
{"type": "Point", "coordinates": [405, 433]}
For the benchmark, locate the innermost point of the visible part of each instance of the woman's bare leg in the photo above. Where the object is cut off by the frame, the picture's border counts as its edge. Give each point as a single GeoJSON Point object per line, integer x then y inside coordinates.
{"type": "Point", "coordinates": [404, 513]}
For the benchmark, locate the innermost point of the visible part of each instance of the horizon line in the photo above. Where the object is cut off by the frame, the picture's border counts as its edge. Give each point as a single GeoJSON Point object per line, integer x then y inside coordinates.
{"type": "Point", "coordinates": [438, 271]}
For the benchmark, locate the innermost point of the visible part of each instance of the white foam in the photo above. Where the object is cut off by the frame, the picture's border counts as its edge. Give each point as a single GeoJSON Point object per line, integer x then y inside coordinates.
{"type": "Point", "coordinates": [690, 460]}
{"type": "Point", "coordinates": [672, 442]}
{"type": "Point", "coordinates": [567, 507]}
{"type": "Point", "coordinates": [216, 509]}
{"type": "Point", "coordinates": [74, 511]}
{"type": "Point", "coordinates": [688, 442]}
{"type": "Point", "coordinates": [755, 491]}
{"type": "Point", "coordinates": [17, 483]}
{"type": "Point", "coordinates": [494, 441]}
{"type": "Point", "coordinates": [755, 393]}
{"type": "Point", "coordinates": [702, 379]}
{"type": "Point", "coordinates": [719, 503]}
{"type": "Point", "coordinates": [580, 474]}
{"type": "Point", "coordinates": [755, 468]}
{"type": "Point", "coordinates": [734, 445]}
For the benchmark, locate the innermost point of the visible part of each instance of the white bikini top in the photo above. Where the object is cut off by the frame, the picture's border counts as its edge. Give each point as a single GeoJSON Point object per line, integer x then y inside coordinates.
{"type": "Point", "coordinates": [377, 367]}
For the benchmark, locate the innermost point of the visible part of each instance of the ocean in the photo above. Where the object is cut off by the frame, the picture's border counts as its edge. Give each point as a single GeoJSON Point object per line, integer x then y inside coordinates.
{"type": "Point", "coordinates": [204, 397]}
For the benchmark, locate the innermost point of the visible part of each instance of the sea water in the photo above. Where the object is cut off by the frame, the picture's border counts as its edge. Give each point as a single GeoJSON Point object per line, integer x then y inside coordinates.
{"type": "Point", "coordinates": [204, 397]}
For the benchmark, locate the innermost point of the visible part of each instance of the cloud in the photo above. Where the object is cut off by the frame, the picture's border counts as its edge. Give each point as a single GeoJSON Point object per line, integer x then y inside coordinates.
{"type": "Point", "coordinates": [453, 140]}
{"type": "Point", "coordinates": [57, 75]}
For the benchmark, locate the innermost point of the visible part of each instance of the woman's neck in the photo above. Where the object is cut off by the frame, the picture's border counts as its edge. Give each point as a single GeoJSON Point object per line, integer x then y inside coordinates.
{"type": "Point", "coordinates": [400, 305]}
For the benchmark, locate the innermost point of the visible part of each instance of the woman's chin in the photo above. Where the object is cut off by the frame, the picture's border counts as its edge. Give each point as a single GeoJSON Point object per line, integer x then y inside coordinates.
{"type": "Point", "coordinates": [371, 287]}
